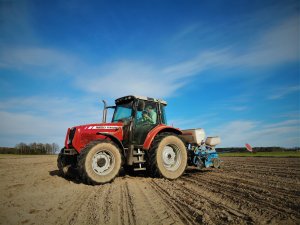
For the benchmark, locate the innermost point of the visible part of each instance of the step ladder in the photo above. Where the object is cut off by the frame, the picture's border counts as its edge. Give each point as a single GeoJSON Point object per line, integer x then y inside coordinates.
{"type": "Point", "coordinates": [138, 160]}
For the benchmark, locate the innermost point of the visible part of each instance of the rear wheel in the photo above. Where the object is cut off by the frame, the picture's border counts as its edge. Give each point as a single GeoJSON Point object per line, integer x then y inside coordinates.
{"type": "Point", "coordinates": [99, 162]}
{"type": "Point", "coordinates": [167, 157]}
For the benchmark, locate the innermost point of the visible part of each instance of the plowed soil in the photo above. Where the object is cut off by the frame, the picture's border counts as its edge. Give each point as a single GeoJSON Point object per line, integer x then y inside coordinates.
{"type": "Point", "coordinates": [244, 191]}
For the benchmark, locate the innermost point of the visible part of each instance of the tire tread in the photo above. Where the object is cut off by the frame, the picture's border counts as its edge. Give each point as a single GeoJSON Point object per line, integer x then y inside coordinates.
{"type": "Point", "coordinates": [152, 166]}
{"type": "Point", "coordinates": [81, 161]}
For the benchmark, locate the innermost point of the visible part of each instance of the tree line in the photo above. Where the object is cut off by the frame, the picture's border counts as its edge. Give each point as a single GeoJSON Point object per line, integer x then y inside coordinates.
{"type": "Point", "coordinates": [32, 149]}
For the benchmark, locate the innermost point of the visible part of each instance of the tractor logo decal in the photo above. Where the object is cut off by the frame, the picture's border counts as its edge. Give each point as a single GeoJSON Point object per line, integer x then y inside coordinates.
{"type": "Point", "coordinates": [101, 127]}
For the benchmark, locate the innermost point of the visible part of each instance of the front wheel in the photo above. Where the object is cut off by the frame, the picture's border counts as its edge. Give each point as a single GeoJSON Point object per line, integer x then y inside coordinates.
{"type": "Point", "coordinates": [99, 162]}
{"type": "Point", "coordinates": [167, 157]}
{"type": "Point", "coordinates": [66, 165]}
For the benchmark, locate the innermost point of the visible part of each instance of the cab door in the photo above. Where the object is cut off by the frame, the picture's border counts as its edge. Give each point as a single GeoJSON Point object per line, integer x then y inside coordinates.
{"type": "Point", "coordinates": [146, 118]}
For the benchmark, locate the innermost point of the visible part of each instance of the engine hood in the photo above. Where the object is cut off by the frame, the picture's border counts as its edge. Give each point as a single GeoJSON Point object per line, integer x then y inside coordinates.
{"type": "Point", "coordinates": [101, 127]}
{"type": "Point", "coordinates": [79, 136]}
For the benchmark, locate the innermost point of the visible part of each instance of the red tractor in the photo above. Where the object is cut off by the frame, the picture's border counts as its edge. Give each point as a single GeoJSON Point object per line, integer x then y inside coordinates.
{"type": "Point", "coordinates": [137, 138]}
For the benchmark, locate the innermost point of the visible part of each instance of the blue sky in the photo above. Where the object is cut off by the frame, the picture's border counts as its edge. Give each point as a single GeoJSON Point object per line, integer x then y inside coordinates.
{"type": "Point", "coordinates": [230, 67]}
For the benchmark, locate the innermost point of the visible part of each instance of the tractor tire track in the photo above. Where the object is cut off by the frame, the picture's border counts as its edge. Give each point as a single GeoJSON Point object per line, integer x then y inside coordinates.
{"type": "Point", "coordinates": [148, 204]}
{"type": "Point", "coordinates": [186, 213]}
{"type": "Point", "coordinates": [241, 184]}
{"type": "Point", "coordinates": [245, 201]}
{"type": "Point", "coordinates": [108, 204]}
{"type": "Point", "coordinates": [209, 211]}
{"type": "Point", "coordinates": [128, 213]}
{"type": "Point", "coordinates": [251, 183]}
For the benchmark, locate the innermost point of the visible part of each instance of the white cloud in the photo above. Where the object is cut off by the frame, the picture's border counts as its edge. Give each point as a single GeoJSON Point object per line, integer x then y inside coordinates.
{"type": "Point", "coordinates": [28, 128]}
{"type": "Point", "coordinates": [187, 32]}
{"type": "Point", "coordinates": [237, 133]}
{"type": "Point", "coordinates": [34, 58]}
{"type": "Point", "coordinates": [205, 60]}
{"type": "Point", "coordinates": [26, 124]}
{"type": "Point", "coordinates": [284, 123]}
{"type": "Point", "coordinates": [187, 123]}
{"type": "Point", "coordinates": [157, 80]}
{"type": "Point", "coordinates": [129, 77]}
{"type": "Point", "coordinates": [291, 115]}
{"type": "Point", "coordinates": [40, 117]}
{"type": "Point", "coordinates": [44, 119]}
{"type": "Point", "coordinates": [50, 106]}
{"type": "Point", "coordinates": [282, 92]}
{"type": "Point", "coordinates": [277, 45]}
{"type": "Point", "coordinates": [198, 120]}
{"type": "Point", "coordinates": [285, 133]}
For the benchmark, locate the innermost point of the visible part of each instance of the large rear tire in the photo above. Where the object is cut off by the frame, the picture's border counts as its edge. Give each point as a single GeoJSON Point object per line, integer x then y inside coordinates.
{"type": "Point", "coordinates": [167, 156]}
{"type": "Point", "coordinates": [99, 162]}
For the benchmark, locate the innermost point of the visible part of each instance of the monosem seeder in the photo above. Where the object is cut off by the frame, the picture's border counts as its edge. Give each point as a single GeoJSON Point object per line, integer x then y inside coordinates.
{"type": "Point", "coordinates": [137, 139]}
{"type": "Point", "coordinates": [201, 151]}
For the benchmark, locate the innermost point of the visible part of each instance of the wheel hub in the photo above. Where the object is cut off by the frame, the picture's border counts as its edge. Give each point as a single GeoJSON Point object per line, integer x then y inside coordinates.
{"type": "Point", "coordinates": [102, 162]}
{"type": "Point", "coordinates": [171, 157]}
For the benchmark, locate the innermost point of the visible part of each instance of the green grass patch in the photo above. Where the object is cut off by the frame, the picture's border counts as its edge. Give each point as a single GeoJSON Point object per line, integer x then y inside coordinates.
{"type": "Point", "coordinates": [261, 154]}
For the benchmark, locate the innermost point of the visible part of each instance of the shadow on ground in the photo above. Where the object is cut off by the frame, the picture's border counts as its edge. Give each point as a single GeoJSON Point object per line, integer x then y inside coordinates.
{"type": "Point", "coordinates": [75, 178]}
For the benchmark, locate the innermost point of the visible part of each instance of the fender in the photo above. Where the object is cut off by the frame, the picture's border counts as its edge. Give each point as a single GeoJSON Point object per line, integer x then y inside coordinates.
{"type": "Point", "coordinates": [114, 139]}
{"type": "Point", "coordinates": [158, 129]}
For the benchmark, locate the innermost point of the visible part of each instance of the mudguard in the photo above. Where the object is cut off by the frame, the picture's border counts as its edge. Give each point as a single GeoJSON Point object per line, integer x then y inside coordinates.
{"type": "Point", "coordinates": [158, 129]}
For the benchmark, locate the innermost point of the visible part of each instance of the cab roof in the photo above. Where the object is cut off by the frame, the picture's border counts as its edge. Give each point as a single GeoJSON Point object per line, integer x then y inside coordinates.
{"type": "Point", "coordinates": [129, 97]}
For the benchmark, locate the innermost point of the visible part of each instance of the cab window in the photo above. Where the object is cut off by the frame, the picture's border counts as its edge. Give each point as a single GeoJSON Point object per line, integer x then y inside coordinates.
{"type": "Point", "coordinates": [122, 112]}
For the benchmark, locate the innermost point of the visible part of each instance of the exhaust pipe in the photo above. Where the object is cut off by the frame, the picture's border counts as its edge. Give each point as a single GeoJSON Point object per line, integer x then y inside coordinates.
{"type": "Point", "coordinates": [104, 112]}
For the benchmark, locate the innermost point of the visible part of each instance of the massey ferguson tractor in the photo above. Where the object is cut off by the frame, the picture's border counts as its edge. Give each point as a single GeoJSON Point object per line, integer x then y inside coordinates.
{"type": "Point", "coordinates": [138, 138]}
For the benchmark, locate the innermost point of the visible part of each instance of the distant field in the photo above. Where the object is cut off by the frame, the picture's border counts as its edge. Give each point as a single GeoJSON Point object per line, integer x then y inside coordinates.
{"type": "Point", "coordinates": [261, 154]}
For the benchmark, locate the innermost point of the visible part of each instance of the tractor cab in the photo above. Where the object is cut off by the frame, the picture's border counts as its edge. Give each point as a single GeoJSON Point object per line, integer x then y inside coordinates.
{"type": "Point", "coordinates": [139, 116]}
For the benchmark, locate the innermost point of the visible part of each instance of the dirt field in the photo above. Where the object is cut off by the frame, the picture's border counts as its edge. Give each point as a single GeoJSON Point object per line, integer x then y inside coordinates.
{"type": "Point", "coordinates": [244, 191]}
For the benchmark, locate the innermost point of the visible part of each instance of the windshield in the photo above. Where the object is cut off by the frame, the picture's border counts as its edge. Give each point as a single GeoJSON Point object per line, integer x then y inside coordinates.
{"type": "Point", "coordinates": [122, 112]}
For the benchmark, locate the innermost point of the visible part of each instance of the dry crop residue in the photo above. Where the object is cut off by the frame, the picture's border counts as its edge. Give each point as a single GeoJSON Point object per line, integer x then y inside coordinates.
{"type": "Point", "coordinates": [244, 191]}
